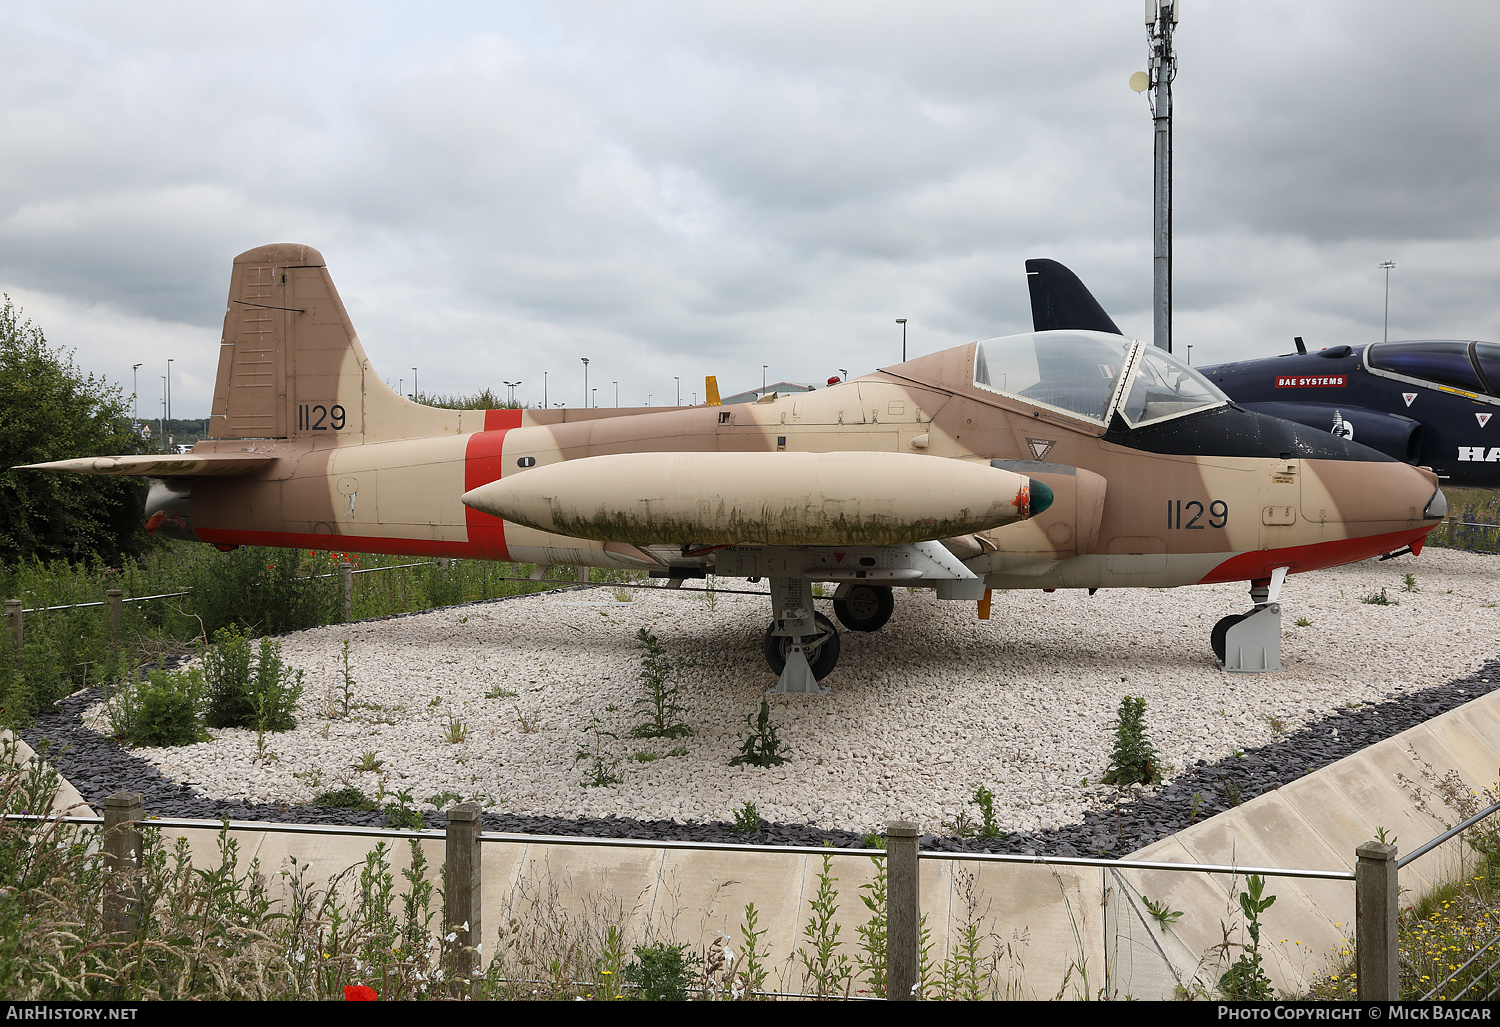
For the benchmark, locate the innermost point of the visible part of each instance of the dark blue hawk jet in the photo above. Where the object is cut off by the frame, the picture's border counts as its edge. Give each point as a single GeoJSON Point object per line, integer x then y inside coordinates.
{"type": "Point", "coordinates": [1428, 402]}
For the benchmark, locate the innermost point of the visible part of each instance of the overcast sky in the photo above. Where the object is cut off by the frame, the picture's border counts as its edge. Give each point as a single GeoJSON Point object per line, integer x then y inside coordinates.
{"type": "Point", "coordinates": [703, 188]}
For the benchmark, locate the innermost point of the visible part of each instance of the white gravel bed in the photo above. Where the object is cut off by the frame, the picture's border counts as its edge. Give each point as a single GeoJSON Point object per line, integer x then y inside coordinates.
{"type": "Point", "coordinates": [922, 712]}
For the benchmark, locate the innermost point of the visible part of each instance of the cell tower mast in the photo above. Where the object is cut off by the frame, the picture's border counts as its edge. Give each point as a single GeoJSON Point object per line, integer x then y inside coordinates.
{"type": "Point", "coordinates": [1161, 20]}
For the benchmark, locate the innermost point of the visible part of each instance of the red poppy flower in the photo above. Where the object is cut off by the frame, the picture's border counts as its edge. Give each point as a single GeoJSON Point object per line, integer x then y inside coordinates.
{"type": "Point", "coordinates": [359, 993]}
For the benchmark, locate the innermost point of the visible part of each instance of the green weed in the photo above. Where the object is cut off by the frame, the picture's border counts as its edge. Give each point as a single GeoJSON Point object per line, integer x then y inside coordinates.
{"type": "Point", "coordinates": [762, 748]}
{"type": "Point", "coordinates": [660, 703]}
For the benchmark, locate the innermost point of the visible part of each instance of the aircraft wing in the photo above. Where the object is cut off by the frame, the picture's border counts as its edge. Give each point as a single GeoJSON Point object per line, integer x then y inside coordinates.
{"type": "Point", "coordinates": [774, 499]}
{"type": "Point", "coordinates": [165, 465]}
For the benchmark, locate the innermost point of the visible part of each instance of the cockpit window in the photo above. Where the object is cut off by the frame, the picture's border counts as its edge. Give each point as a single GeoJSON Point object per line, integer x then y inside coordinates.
{"type": "Point", "coordinates": [1445, 362]}
{"type": "Point", "coordinates": [1079, 373]}
{"type": "Point", "coordinates": [1071, 371]}
{"type": "Point", "coordinates": [1164, 386]}
{"type": "Point", "coordinates": [1488, 355]}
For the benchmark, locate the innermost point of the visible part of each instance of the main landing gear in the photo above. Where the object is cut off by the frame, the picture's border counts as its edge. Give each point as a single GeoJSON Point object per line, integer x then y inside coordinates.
{"type": "Point", "coordinates": [802, 646]}
{"type": "Point", "coordinates": [861, 607]}
{"type": "Point", "coordinates": [1250, 643]}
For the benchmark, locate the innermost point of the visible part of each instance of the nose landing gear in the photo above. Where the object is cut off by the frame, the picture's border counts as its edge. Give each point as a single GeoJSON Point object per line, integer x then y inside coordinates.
{"type": "Point", "coordinates": [1250, 643]}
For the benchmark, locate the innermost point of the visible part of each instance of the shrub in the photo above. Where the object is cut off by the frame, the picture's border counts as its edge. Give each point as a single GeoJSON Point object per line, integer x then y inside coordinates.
{"type": "Point", "coordinates": [162, 710]}
{"type": "Point", "coordinates": [348, 797]}
{"type": "Point", "coordinates": [250, 691]}
{"type": "Point", "coordinates": [1134, 759]}
{"type": "Point", "coordinates": [662, 972]}
{"type": "Point", "coordinates": [270, 591]}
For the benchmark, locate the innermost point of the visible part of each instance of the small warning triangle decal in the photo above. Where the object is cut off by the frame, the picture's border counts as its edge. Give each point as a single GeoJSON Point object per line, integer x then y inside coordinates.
{"type": "Point", "coordinates": [1040, 447]}
{"type": "Point", "coordinates": [1408, 396]}
{"type": "Point", "coordinates": [1483, 419]}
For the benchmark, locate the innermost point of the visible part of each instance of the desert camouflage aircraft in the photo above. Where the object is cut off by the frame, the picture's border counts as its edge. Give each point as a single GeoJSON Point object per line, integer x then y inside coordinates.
{"type": "Point", "coordinates": [1047, 460]}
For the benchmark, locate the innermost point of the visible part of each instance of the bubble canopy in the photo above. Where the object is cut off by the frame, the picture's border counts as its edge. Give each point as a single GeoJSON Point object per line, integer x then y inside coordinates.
{"type": "Point", "coordinates": [1081, 374]}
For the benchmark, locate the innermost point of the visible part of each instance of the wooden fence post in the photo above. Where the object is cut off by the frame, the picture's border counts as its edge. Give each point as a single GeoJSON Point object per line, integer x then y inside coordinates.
{"type": "Point", "coordinates": [348, 588]}
{"type": "Point", "coordinates": [122, 856]}
{"type": "Point", "coordinates": [13, 624]}
{"type": "Point", "coordinates": [461, 931]}
{"type": "Point", "coordinates": [1375, 922]}
{"type": "Point", "coordinates": [116, 599]}
{"type": "Point", "coordinates": [903, 913]}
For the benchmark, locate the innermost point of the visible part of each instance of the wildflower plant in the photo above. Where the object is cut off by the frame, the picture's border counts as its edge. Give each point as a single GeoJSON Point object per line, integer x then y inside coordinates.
{"type": "Point", "coordinates": [1134, 759]}
{"type": "Point", "coordinates": [662, 678]}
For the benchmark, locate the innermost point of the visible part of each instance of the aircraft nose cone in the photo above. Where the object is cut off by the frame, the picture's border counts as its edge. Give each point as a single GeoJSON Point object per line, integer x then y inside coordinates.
{"type": "Point", "coordinates": [1041, 498]}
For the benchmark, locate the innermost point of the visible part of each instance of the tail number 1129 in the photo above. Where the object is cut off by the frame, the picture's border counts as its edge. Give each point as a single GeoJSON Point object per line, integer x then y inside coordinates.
{"type": "Point", "coordinates": [317, 417]}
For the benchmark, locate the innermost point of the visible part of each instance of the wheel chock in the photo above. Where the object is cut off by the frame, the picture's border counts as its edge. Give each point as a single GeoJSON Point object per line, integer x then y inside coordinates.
{"type": "Point", "coordinates": [797, 676]}
{"type": "Point", "coordinates": [1253, 646]}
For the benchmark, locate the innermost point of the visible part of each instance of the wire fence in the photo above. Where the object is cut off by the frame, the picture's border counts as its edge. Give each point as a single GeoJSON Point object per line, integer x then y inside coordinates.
{"type": "Point", "coordinates": [1375, 879]}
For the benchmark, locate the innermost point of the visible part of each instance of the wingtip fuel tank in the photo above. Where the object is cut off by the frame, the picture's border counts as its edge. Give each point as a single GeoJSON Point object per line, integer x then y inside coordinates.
{"type": "Point", "coordinates": [828, 499]}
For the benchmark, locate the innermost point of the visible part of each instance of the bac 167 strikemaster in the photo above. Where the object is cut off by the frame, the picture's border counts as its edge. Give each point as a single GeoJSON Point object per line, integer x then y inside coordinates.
{"type": "Point", "coordinates": [1047, 460]}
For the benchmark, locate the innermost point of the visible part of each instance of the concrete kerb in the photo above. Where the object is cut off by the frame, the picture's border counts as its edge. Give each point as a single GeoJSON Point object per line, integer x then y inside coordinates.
{"type": "Point", "coordinates": [693, 895]}
{"type": "Point", "coordinates": [1318, 822]}
{"type": "Point", "coordinates": [68, 801]}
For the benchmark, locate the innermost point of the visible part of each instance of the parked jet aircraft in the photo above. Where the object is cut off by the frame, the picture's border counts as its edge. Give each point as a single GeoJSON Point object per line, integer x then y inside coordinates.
{"type": "Point", "coordinates": [1427, 402]}
{"type": "Point", "coordinates": [1047, 460]}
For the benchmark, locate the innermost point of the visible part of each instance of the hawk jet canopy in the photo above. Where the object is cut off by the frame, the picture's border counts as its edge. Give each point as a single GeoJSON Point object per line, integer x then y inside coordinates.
{"type": "Point", "coordinates": [1080, 374]}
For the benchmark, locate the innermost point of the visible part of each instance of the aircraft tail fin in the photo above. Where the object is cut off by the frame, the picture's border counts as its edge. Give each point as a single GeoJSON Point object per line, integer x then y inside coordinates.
{"type": "Point", "coordinates": [291, 364]}
{"type": "Point", "coordinates": [1060, 302]}
{"type": "Point", "coordinates": [711, 391]}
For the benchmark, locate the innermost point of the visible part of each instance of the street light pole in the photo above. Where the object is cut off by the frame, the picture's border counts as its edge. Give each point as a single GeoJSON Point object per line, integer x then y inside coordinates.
{"type": "Point", "coordinates": [135, 382]}
{"type": "Point", "coordinates": [585, 380]}
{"type": "Point", "coordinates": [414, 392]}
{"type": "Point", "coordinates": [169, 399]}
{"type": "Point", "coordinates": [617, 395]}
{"type": "Point", "coordinates": [763, 378]}
{"type": "Point", "coordinates": [544, 391]}
{"type": "Point", "coordinates": [1387, 265]}
{"type": "Point", "coordinates": [902, 322]}
{"type": "Point", "coordinates": [678, 380]}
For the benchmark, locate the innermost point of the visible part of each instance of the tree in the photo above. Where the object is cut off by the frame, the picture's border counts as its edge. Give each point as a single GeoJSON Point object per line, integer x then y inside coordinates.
{"type": "Point", "coordinates": [51, 410]}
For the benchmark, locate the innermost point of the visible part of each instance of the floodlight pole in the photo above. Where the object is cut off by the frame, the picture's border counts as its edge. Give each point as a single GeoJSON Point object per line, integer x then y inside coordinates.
{"type": "Point", "coordinates": [1161, 20]}
{"type": "Point", "coordinates": [585, 380]}
{"type": "Point", "coordinates": [902, 322]}
{"type": "Point", "coordinates": [1387, 265]}
{"type": "Point", "coordinates": [135, 384]}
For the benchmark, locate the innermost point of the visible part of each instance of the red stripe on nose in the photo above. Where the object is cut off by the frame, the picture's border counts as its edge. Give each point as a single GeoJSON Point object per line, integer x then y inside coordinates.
{"type": "Point", "coordinates": [1261, 562]}
{"type": "Point", "coordinates": [482, 465]}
